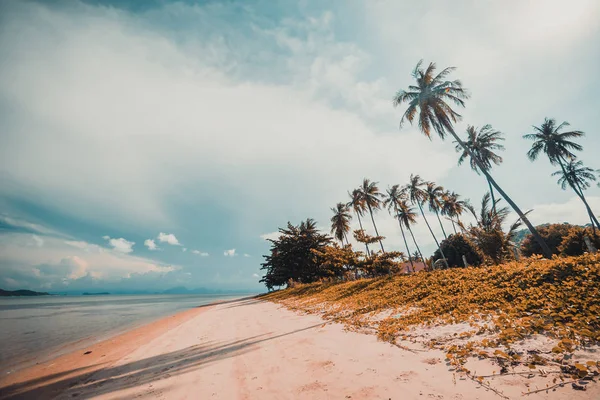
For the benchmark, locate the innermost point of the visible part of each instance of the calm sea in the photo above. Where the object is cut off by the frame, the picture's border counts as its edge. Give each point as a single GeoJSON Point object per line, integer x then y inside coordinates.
{"type": "Point", "coordinates": [33, 329]}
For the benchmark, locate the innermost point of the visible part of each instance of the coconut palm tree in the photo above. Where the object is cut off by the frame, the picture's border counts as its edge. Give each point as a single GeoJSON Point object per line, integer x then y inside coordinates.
{"type": "Point", "coordinates": [482, 143]}
{"type": "Point", "coordinates": [428, 103]}
{"type": "Point", "coordinates": [435, 195]}
{"type": "Point", "coordinates": [340, 222]}
{"type": "Point", "coordinates": [559, 147]}
{"type": "Point", "coordinates": [417, 195]}
{"type": "Point", "coordinates": [395, 196]}
{"type": "Point", "coordinates": [358, 205]}
{"type": "Point", "coordinates": [452, 207]}
{"type": "Point", "coordinates": [372, 198]}
{"type": "Point", "coordinates": [578, 175]}
{"type": "Point", "coordinates": [407, 217]}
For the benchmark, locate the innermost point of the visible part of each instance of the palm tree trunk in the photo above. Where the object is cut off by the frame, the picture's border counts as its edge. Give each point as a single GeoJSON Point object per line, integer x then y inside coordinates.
{"type": "Point", "coordinates": [492, 194]}
{"type": "Point", "coordinates": [347, 241]}
{"type": "Point", "coordinates": [579, 193]}
{"type": "Point", "coordinates": [430, 231]}
{"type": "Point", "coordinates": [522, 216]}
{"type": "Point", "coordinates": [361, 228]}
{"type": "Point", "coordinates": [416, 245]}
{"type": "Point", "coordinates": [406, 245]}
{"type": "Point", "coordinates": [454, 227]}
{"type": "Point", "coordinates": [442, 226]}
{"type": "Point", "coordinates": [375, 226]}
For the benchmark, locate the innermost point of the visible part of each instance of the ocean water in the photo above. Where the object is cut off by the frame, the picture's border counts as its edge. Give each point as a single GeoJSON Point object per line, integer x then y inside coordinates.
{"type": "Point", "coordinates": [33, 329]}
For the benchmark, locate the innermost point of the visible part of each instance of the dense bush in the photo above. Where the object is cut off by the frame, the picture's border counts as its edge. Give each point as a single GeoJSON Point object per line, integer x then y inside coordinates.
{"type": "Point", "coordinates": [552, 234]}
{"type": "Point", "coordinates": [563, 239]}
{"type": "Point", "coordinates": [455, 247]}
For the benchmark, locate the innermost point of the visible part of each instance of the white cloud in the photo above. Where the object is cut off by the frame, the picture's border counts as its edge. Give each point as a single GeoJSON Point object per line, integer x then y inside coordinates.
{"type": "Point", "coordinates": [255, 276]}
{"type": "Point", "coordinates": [121, 245]}
{"type": "Point", "coordinates": [247, 255]}
{"type": "Point", "coordinates": [572, 211]}
{"type": "Point", "coordinates": [200, 253]}
{"type": "Point", "coordinates": [38, 240]}
{"type": "Point", "coordinates": [229, 253]}
{"type": "Point", "coordinates": [150, 244]}
{"type": "Point", "coordinates": [168, 238]}
{"type": "Point", "coordinates": [271, 235]}
{"type": "Point", "coordinates": [184, 249]}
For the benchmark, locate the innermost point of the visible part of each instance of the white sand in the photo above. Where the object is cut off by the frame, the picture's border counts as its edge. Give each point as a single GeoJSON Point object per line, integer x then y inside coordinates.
{"type": "Point", "coordinates": [257, 350]}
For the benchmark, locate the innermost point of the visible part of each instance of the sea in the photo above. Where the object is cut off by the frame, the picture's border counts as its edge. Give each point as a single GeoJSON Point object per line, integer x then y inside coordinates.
{"type": "Point", "coordinates": [35, 329]}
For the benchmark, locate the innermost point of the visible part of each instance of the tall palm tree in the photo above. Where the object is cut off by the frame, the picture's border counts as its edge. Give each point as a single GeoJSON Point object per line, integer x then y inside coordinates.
{"type": "Point", "coordinates": [482, 143]}
{"type": "Point", "coordinates": [417, 195]}
{"type": "Point", "coordinates": [407, 217]}
{"type": "Point", "coordinates": [453, 207]}
{"type": "Point", "coordinates": [393, 202]}
{"type": "Point", "coordinates": [576, 174]}
{"type": "Point", "coordinates": [559, 147]}
{"type": "Point", "coordinates": [428, 101]}
{"type": "Point", "coordinates": [358, 205]}
{"type": "Point", "coordinates": [372, 198]}
{"type": "Point", "coordinates": [435, 195]}
{"type": "Point", "coordinates": [340, 222]}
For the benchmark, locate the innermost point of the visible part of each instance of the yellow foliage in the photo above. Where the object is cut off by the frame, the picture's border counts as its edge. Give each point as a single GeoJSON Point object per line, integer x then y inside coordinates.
{"type": "Point", "coordinates": [559, 298]}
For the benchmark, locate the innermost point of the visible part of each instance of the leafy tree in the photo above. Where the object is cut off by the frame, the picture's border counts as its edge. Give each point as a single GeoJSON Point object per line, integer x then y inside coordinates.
{"type": "Point", "coordinates": [393, 202]}
{"type": "Point", "coordinates": [337, 261]}
{"type": "Point", "coordinates": [417, 195]}
{"type": "Point", "coordinates": [371, 196]}
{"type": "Point", "coordinates": [575, 174]}
{"type": "Point", "coordinates": [340, 222]}
{"type": "Point", "coordinates": [559, 147]}
{"type": "Point", "coordinates": [381, 263]}
{"type": "Point", "coordinates": [435, 196]}
{"type": "Point", "coordinates": [358, 205]}
{"type": "Point", "coordinates": [483, 143]}
{"type": "Point", "coordinates": [428, 103]}
{"type": "Point", "coordinates": [553, 234]}
{"type": "Point", "coordinates": [292, 255]}
{"type": "Point", "coordinates": [455, 247]}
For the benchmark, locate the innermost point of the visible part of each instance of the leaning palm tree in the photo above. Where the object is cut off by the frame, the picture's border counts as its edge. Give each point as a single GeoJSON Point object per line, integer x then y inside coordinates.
{"type": "Point", "coordinates": [575, 174]}
{"type": "Point", "coordinates": [453, 207]}
{"type": "Point", "coordinates": [417, 195]}
{"type": "Point", "coordinates": [435, 195]}
{"type": "Point", "coordinates": [340, 222]}
{"type": "Point", "coordinates": [559, 147]}
{"type": "Point", "coordinates": [393, 201]}
{"type": "Point", "coordinates": [482, 143]}
{"type": "Point", "coordinates": [428, 103]}
{"type": "Point", "coordinates": [372, 198]}
{"type": "Point", "coordinates": [407, 217]}
{"type": "Point", "coordinates": [358, 205]}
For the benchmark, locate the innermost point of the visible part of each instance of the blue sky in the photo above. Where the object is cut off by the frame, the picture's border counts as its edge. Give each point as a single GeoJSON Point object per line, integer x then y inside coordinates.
{"type": "Point", "coordinates": [209, 124]}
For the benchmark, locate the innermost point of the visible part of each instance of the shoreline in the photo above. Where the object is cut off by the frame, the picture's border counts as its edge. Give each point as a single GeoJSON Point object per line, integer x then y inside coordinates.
{"type": "Point", "coordinates": [250, 348]}
{"type": "Point", "coordinates": [68, 360]}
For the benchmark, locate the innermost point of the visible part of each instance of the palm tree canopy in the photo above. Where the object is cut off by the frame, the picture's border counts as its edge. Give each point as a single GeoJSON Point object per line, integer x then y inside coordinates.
{"type": "Point", "coordinates": [371, 196]}
{"type": "Point", "coordinates": [482, 143]}
{"type": "Point", "coordinates": [340, 222]}
{"type": "Point", "coordinates": [357, 202]}
{"type": "Point", "coordinates": [429, 99]}
{"type": "Point", "coordinates": [576, 173]}
{"type": "Point", "coordinates": [406, 214]}
{"type": "Point", "coordinates": [555, 144]}
{"type": "Point", "coordinates": [452, 206]}
{"type": "Point", "coordinates": [395, 195]}
{"type": "Point", "coordinates": [414, 190]}
{"type": "Point", "coordinates": [435, 194]}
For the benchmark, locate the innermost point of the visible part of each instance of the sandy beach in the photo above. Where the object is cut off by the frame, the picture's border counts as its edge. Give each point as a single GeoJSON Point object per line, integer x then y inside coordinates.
{"type": "Point", "coordinates": [253, 349]}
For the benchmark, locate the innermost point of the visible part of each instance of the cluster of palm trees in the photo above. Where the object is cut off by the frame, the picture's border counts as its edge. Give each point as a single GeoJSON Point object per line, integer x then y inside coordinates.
{"type": "Point", "coordinates": [430, 102]}
{"type": "Point", "coordinates": [400, 202]}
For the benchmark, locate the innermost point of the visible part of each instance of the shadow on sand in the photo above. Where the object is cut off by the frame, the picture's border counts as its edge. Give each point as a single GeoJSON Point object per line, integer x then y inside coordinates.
{"type": "Point", "coordinates": [136, 373]}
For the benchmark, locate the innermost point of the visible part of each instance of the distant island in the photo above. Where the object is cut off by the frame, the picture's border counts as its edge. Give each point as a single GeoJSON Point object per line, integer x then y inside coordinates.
{"type": "Point", "coordinates": [8, 293]}
{"type": "Point", "coordinates": [95, 294]}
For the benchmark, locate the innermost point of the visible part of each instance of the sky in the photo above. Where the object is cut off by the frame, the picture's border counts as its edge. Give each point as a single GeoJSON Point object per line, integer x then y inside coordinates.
{"type": "Point", "coordinates": [147, 145]}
